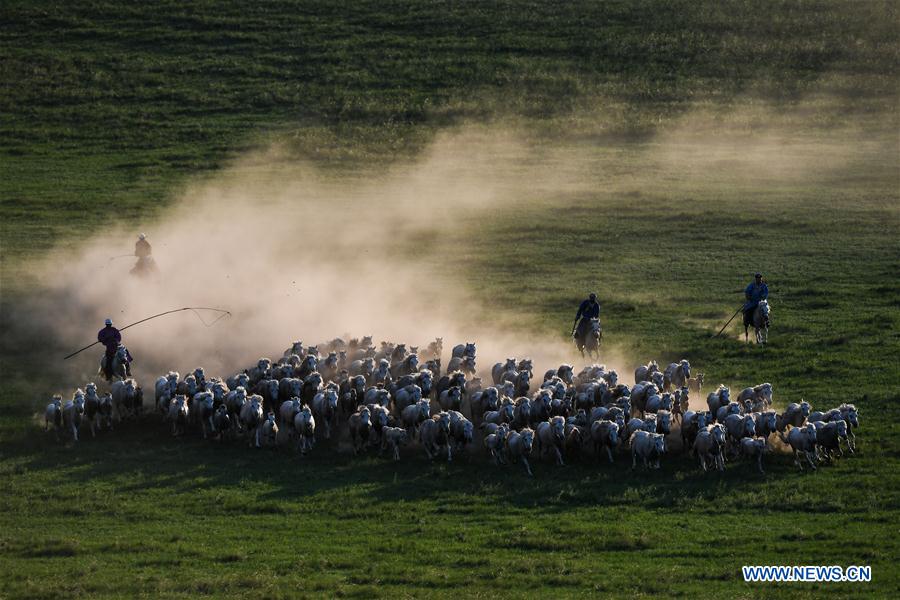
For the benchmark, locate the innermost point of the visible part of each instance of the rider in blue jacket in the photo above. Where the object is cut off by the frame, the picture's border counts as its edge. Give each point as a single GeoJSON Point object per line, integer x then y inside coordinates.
{"type": "Point", "coordinates": [589, 309]}
{"type": "Point", "coordinates": [757, 290]}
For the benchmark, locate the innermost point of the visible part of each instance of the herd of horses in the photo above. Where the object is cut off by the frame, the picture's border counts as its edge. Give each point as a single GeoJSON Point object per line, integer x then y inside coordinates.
{"type": "Point", "coordinates": [391, 395]}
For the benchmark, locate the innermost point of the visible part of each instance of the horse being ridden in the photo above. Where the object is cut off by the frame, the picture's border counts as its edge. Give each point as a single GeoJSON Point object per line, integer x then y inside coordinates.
{"type": "Point", "coordinates": [760, 321]}
{"type": "Point", "coordinates": [590, 341]}
{"type": "Point", "coordinates": [116, 361]}
{"type": "Point", "coordinates": [755, 294]}
{"type": "Point", "coordinates": [145, 264]}
{"type": "Point", "coordinates": [121, 364]}
{"type": "Point", "coordinates": [585, 327]}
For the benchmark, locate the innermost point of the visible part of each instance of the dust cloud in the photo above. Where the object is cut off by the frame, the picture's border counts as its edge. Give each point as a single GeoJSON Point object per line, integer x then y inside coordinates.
{"type": "Point", "coordinates": [296, 254]}
{"type": "Point", "coordinates": [300, 253]}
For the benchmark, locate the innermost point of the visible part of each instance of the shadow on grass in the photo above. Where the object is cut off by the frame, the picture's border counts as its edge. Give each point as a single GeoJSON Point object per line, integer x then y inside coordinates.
{"type": "Point", "coordinates": [141, 456]}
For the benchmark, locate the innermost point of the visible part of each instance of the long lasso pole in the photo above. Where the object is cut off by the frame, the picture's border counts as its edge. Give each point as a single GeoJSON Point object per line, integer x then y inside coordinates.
{"type": "Point", "coordinates": [729, 321]}
{"type": "Point", "coordinates": [224, 312]}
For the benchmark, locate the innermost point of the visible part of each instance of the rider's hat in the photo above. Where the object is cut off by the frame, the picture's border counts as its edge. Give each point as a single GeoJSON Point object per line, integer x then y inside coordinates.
{"type": "Point", "coordinates": [141, 236]}
{"type": "Point", "coordinates": [758, 274]}
{"type": "Point", "coordinates": [109, 322]}
{"type": "Point", "coordinates": [592, 296]}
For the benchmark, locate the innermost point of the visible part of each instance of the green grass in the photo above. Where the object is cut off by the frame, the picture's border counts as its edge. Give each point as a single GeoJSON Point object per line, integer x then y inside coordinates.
{"type": "Point", "coordinates": [117, 101]}
{"type": "Point", "coordinates": [109, 109]}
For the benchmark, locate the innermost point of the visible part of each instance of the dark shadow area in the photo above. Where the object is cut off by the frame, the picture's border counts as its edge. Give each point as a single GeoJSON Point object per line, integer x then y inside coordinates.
{"type": "Point", "coordinates": [148, 454]}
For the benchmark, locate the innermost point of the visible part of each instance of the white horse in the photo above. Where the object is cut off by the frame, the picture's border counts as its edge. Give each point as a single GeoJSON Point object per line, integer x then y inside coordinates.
{"type": "Point", "coordinates": [760, 323]}
{"type": "Point", "coordinates": [120, 366]}
{"type": "Point", "coordinates": [676, 374]}
{"type": "Point", "coordinates": [590, 341]}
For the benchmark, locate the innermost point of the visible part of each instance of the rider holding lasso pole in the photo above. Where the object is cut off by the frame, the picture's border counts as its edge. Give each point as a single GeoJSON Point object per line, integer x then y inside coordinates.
{"type": "Point", "coordinates": [754, 292]}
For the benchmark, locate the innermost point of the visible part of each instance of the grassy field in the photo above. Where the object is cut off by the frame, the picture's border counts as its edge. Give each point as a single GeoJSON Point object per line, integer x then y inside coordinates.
{"type": "Point", "coordinates": [111, 109]}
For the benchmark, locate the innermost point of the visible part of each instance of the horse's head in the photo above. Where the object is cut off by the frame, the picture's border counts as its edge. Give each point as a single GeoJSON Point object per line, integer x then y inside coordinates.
{"type": "Point", "coordinates": [611, 378]}
{"type": "Point", "coordinates": [490, 398]}
{"type": "Point", "coordinates": [724, 394]}
{"type": "Point", "coordinates": [849, 412]}
{"type": "Point", "coordinates": [841, 427]}
{"type": "Point", "coordinates": [702, 419]}
{"type": "Point", "coordinates": [443, 421]}
{"type": "Point", "coordinates": [558, 425]}
{"type": "Point", "coordinates": [718, 433]}
{"type": "Point", "coordinates": [527, 439]}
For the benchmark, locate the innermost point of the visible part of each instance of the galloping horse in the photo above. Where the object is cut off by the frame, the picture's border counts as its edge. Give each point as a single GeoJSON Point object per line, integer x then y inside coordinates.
{"type": "Point", "coordinates": [120, 367]}
{"type": "Point", "coordinates": [760, 323]}
{"type": "Point", "coordinates": [145, 267]}
{"type": "Point", "coordinates": [590, 341]}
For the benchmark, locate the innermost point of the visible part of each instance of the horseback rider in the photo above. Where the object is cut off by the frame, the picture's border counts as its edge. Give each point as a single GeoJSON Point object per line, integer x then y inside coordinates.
{"type": "Point", "coordinates": [142, 247]}
{"type": "Point", "coordinates": [145, 264]}
{"type": "Point", "coordinates": [756, 291]}
{"type": "Point", "coordinates": [589, 309]}
{"type": "Point", "coordinates": [110, 337]}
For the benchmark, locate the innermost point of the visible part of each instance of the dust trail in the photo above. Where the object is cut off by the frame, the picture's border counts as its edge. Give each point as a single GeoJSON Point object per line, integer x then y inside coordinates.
{"type": "Point", "coordinates": [295, 254]}
{"type": "Point", "coordinates": [298, 253]}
